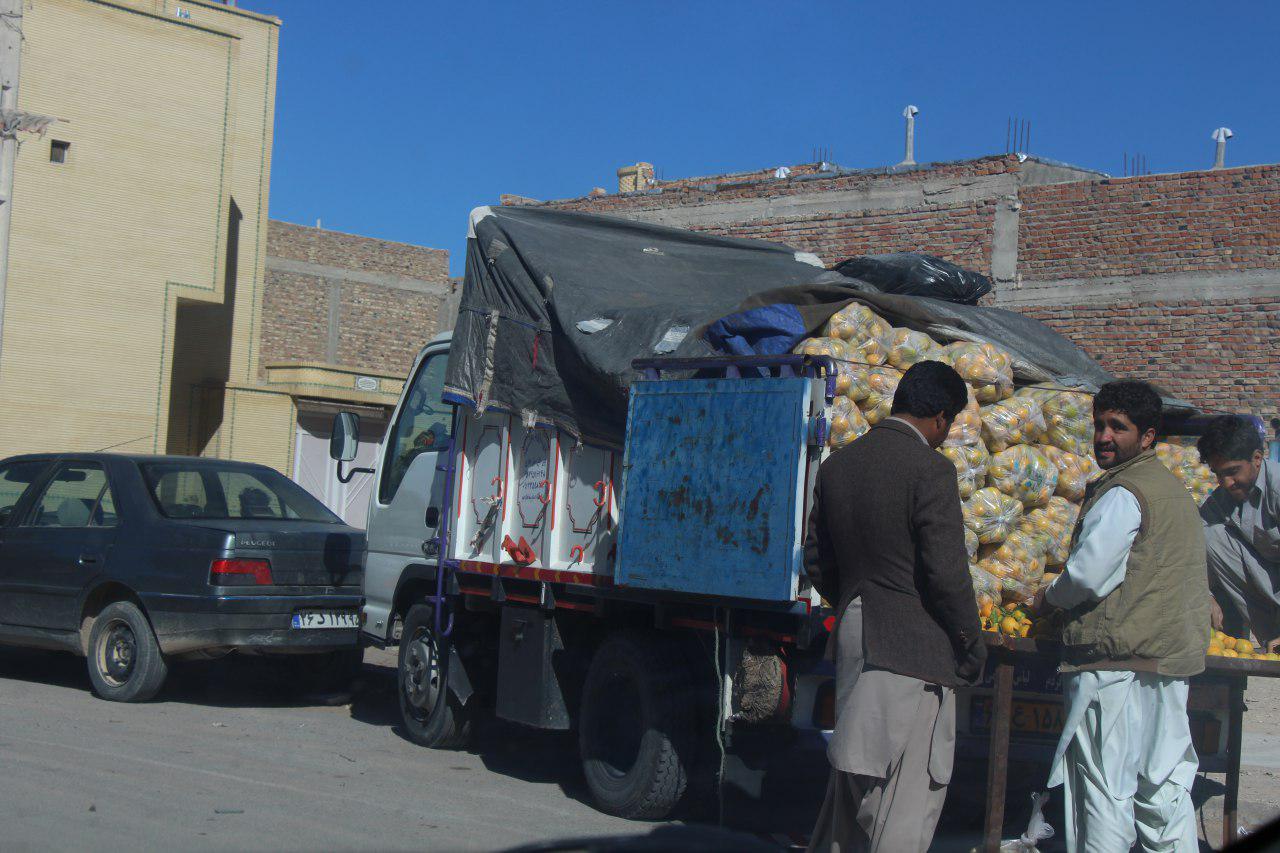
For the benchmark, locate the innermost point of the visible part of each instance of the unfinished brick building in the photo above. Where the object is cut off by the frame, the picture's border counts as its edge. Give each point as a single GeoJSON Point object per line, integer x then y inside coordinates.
{"type": "Point", "coordinates": [1174, 277]}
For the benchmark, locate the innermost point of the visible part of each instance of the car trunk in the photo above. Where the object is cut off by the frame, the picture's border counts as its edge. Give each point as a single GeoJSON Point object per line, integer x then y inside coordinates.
{"type": "Point", "coordinates": [303, 553]}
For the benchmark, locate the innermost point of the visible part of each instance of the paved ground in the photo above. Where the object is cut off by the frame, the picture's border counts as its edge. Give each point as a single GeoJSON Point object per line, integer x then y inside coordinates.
{"type": "Point", "coordinates": [230, 758]}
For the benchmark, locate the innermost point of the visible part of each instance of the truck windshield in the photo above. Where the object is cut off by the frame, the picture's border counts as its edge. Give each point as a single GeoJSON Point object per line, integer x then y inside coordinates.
{"type": "Point", "coordinates": [199, 489]}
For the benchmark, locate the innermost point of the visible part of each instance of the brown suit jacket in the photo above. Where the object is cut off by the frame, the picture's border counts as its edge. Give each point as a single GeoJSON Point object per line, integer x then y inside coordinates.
{"type": "Point", "coordinates": [886, 525]}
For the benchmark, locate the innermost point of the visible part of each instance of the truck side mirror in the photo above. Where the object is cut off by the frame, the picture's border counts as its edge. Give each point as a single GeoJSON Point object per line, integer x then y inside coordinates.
{"type": "Point", "coordinates": [345, 438]}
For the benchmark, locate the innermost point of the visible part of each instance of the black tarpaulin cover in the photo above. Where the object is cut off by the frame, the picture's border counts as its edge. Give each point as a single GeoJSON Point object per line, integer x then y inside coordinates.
{"type": "Point", "coordinates": [556, 304]}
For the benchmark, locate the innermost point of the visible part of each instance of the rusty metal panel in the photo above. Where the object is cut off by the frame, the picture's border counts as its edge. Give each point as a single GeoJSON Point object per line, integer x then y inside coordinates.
{"type": "Point", "coordinates": [712, 478]}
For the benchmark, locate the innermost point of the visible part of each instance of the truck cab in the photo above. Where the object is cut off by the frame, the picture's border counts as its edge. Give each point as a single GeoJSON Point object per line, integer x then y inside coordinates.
{"type": "Point", "coordinates": [408, 493]}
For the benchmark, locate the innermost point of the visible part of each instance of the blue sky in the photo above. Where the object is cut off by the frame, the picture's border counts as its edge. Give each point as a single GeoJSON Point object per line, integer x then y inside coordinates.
{"type": "Point", "coordinates": [396, 121]}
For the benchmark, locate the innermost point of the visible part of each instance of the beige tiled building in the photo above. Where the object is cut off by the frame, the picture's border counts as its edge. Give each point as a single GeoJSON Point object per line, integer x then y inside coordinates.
{"type": "Point", "coordinates": [145, 307]}
{"type": "Point", "coordinates": [138, 226]}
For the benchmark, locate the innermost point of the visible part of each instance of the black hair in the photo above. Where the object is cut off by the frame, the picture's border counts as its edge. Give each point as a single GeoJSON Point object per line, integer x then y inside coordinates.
{"type": "Point", "coordinates": [930, 387]}
{"type": "Point", "coordinates": [1230, 437]}
{"type": "Point", "coordinates": [1138, 400]}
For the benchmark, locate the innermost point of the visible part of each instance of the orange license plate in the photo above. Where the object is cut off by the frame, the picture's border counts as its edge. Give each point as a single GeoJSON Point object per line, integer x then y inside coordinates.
{"type": "Point", "coordinates": [1030, 717]}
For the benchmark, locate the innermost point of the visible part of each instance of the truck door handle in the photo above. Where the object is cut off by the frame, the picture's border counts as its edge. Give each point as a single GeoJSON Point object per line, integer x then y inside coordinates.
{"type": "Point", "coordinates": [433, 516]}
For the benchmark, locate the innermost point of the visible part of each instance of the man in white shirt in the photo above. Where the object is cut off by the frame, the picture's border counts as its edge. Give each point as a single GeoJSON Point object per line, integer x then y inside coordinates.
{"type": "Point", "coordinates": [1136, 598]}
{"type": "Point", "coordinates": [1242, 530]}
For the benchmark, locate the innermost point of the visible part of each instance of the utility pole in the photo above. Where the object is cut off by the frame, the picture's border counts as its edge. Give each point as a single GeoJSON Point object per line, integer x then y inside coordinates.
{"type": "Point", "coordinates": [10, 66]}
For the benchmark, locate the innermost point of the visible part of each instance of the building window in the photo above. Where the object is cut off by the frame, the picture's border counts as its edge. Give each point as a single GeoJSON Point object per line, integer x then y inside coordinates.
{"type": "Point", "coordinates": [58, 151]}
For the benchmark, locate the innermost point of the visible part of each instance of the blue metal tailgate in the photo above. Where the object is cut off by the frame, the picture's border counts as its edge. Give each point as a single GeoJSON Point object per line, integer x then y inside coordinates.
{"type": "Point", "coordinates": [712, 480]}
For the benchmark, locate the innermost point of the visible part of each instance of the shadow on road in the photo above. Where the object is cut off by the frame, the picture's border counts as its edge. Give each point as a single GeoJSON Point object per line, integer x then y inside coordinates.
{"type": "Point", "coordinates": [235, 681]}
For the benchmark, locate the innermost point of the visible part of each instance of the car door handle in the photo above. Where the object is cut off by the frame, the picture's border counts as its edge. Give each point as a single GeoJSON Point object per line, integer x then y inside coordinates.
{"type": "Point", "coordinates": [86, 559]}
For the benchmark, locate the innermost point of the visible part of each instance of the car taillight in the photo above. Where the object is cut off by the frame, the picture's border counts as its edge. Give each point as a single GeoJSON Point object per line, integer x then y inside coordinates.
{"type": "Point", "coordinates": [240, 573]}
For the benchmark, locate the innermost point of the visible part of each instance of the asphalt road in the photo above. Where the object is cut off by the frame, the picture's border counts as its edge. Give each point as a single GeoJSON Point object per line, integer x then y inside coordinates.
{"type": "Point", "coordinates": [229, 758]}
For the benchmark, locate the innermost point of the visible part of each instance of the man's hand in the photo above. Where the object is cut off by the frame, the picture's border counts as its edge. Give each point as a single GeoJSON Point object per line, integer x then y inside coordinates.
{"type": "Point", "coordinates": [1215, 614]}
{"type": "Point", "coordinates": [1038, 603]}
{"type": "Point", "coordinates": [1273, 647]}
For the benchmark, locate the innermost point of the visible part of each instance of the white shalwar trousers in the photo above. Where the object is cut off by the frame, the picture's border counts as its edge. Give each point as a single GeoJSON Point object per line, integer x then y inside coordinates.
{"type": "Point", "coordinates": [1126, 763]}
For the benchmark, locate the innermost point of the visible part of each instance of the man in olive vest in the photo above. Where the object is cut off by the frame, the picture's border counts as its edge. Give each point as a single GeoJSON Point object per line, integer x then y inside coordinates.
{"type": "Point", "coordinates": [1136, 597]}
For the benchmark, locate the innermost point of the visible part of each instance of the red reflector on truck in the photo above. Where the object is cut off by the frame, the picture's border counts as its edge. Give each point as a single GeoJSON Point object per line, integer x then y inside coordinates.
{"type": "Point", "coordinates": [237, 572]}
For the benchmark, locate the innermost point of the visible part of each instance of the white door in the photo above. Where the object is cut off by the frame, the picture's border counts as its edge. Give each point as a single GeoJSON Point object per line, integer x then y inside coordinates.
{"type": "Point", "coordinates": [317, 473]}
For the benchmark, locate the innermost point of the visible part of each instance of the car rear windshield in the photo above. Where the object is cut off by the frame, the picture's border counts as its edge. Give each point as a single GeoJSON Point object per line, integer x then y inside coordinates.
{"type": "Point", "coordinates": [211, 491]}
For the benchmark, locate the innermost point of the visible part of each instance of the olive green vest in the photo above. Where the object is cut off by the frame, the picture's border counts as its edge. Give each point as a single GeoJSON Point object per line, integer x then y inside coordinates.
{"type": "Point", "coordinates": [1157, 620]}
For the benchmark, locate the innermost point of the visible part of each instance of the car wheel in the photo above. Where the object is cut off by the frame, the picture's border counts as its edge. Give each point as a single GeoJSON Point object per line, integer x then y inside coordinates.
{"type": "Point", "coordinates": [125, 663]}
{"type": "Point", "coordinates": [432, 715]}
{"type": "Point", "coordinates": [636, 728]}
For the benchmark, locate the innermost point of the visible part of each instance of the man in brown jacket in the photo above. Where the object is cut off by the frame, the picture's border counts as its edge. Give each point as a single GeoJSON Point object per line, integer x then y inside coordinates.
{"type": "Point", "coordinates": [886, 545]}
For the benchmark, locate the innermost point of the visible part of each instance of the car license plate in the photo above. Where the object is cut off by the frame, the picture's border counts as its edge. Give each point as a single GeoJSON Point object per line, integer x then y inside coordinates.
{"type": "Point", "coordinates": [326, 619]}
{"type": "Point", "coordinates": [1041, 719]}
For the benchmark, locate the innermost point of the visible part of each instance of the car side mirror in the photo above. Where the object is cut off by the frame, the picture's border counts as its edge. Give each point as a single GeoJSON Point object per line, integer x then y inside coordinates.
{"type": "Point", "coordinates": [345, 438]}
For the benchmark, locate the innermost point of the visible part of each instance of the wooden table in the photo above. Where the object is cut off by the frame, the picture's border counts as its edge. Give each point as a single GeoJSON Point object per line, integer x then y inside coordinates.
{"type": "Point", "coordinates": [1004, 652]}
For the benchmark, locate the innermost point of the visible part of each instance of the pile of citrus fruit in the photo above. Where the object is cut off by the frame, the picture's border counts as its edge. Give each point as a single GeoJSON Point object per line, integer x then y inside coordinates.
{"type": "Point", "coordinates": [1012, 621]}
{"type": "Point", "coordinates": [1220, 645]}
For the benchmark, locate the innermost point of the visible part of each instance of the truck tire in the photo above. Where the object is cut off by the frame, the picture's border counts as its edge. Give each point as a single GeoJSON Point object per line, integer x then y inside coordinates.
{"type": "Point", "coordinates": [432, 715]}
{"type": "Point", "coordinates": [125, 663]}
{"type": "Point", "coordinates": [636, 726]}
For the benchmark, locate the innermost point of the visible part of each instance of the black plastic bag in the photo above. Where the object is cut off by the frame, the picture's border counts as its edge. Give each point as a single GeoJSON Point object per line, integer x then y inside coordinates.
{"type": "Point", "coordinates": [914, 274]}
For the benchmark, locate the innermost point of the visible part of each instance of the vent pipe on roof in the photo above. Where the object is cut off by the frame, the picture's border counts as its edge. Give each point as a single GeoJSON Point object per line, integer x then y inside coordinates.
{"type": "Point", "coordinates": [1221, 135]}
{"type": "Point", "coordinates": [910, 115]}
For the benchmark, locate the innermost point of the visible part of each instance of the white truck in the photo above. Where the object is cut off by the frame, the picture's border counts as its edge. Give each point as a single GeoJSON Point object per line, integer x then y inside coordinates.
{"type": "Point", "coordinates": [496, 562]}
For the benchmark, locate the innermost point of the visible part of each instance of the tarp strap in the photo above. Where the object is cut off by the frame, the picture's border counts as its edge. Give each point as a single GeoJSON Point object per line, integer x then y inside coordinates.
{"type": "Point", "coordinates": [491, 341]}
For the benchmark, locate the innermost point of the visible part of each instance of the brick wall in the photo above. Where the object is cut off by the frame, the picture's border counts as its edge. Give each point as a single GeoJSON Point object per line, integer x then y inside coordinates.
{"type": "Point", "coordinates": [1221, 355]}
{"type": "Point", "coordinates": [1184, 222]}
{"type": "Point", "coordinates": [350, 301]}
{"type": "Point", "coordinates": [959, 232]}
{"type": "Point", "coordinates": [1162, 236]}
{"type": "Point", "coordinates": [350, 251]}
{"type": "Point", "coordinates": [383, 328]}
{"type": "Point", "coordinates": [295, 318]}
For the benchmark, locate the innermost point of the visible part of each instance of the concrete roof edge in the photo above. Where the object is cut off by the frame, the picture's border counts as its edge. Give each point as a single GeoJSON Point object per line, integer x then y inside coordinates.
{"type": "Point", "coordinates": [236, 10]}
{"type": "Point", "coordinates": [712, 182]}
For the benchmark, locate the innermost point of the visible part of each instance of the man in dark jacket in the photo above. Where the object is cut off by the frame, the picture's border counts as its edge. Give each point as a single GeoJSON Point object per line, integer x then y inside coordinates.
{"type": "Point", "coordinates": [886, 546]}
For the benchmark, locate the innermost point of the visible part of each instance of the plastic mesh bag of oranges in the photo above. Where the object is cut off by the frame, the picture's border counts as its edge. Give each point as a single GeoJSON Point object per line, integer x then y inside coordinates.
{"type": "Point", "coordinates": [881, 383]}
{"type": "Point", "coordinates": [1025, 473]}
{"type": "Point", "coordinates": [847, 423]}
{"type": "Point", "coordinates": [1068, 417]}
{"type": "Point", "coordinates": [1017, 420]}
{"type": "Point", "coordinates": [971, 465]}
{"type": "Point", "coordinates": [986, 367]}
{"type": "Point", "coordinates": [1074, 472]}
{"type": "Point", "coordinates": [906, 347]}
{"type": "Point", "coordinates": [971, 543]}
{"type": "Point", "coordinates": [991, 514]}
{"type": "Point", "coordinates": [986, 589]}
{"type": "Point", "coordinates": [833, 347]}
{"type": "Point", "coordinates": [1185, 463]}
{"type": "Point", "coordinates": [1020, 556]}
{"type": "Point", "coordinates": [967, 427]}
{"type": "Point", "coordinates": [864, 331]}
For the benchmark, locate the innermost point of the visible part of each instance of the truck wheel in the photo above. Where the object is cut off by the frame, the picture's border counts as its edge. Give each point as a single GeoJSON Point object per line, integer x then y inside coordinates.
{"type": "Point", "coordinates": [635, 728]}
{"type": "Point", "coordinates": [432, 714]}
{"type": "Point", "coordinates": [125, 663]}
